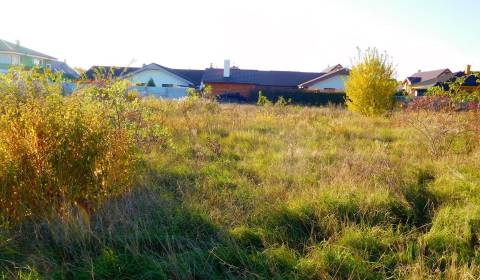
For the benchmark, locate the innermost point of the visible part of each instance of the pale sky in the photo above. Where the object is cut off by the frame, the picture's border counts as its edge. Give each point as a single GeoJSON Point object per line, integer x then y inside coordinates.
{"type": "Point", "coordinates": [300, 35]}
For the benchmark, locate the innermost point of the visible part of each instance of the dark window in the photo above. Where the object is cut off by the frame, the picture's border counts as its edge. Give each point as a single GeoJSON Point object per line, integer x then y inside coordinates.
{"type": "Point", "coordinates": [167, 85]}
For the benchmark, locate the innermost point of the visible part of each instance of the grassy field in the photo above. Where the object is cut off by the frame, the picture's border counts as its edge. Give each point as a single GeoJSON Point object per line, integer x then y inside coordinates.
{"type": "Point", "coordinates": [275, 192]}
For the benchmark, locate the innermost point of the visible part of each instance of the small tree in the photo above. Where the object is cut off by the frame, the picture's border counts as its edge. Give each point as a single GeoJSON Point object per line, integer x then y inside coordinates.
{"type": "Point", "coordinates": [371, 86]}
{"type": "Point", "coordinates": [151, 83]}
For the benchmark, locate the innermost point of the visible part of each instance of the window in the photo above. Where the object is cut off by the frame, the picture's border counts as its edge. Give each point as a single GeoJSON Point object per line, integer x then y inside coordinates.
{"type": "Point", "coordinates": [15, 59]}
{"type": "Point", "coordinates": [49, 66]}
{"type": "Point", "coordinates": [5, 59]}
{"type": "Point", "coordinates": [36, 61]}
{"type": "Point", "coordinates": [167, 85]}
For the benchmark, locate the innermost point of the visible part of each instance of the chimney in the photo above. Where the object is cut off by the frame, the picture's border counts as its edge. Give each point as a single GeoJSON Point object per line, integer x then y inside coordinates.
{"type": "Point", "coordinates": [468, 70]}
{"type": "Point", "coordinates": [18, 43]}
{"type": "Point", "coordinates": [226, 68]}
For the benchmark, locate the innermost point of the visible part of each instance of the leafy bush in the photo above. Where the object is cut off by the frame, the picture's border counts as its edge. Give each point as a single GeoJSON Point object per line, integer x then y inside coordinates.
{"type": "Point", "coordinates": [371, 86]}
{"type": "Point", "coordinates": [455, 91]}
{"type": "Point", "coordinates": [58, 151]}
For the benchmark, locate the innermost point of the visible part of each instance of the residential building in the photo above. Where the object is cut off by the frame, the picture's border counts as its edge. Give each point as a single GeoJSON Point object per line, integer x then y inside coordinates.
{"type": "Point", "coordinates": [471, 80]}
{"type": "Point", "coordinates": [243, 83]}
{"type": "Point", "coordinates": [152, 79]}
{"type": "Point", "coordinates": [157, 80]}
{"type": "Point", "coordinates": [418, 83]}
{"type": "Point", "coordinates": [14, 54]}
{"type": "Point", "coordinates": [421, 82]}
{"type": "Point", "coordinates": [333, 80]}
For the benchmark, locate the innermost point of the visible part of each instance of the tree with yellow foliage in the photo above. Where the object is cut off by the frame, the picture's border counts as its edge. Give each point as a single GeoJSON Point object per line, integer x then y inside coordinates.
{"type": "Point", "coordinates": [371, 86]}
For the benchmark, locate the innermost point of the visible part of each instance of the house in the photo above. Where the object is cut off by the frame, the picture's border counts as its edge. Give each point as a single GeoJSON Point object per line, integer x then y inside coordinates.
{"type": "Point", "coordinates": [471, 80]}
{"type": "Point", "coordinates": [421, 82]}
{"type": "Point", "coordinates": [152, 79]}
{"type": "Point", "coordinates": [332, 81]}
{"type": "Point", "coordinates": [241, 82]}
{"type": "Point", "coordinates": [418, 83]}
{"type": "Point", "coordinates": [12, 54]}
{"type": "Point", "coordinates": [157, 80]}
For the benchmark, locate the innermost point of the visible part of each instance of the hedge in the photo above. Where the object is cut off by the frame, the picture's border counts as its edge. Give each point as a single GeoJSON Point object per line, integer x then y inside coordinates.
{"type": "Point", "coordinates": [304, 97]}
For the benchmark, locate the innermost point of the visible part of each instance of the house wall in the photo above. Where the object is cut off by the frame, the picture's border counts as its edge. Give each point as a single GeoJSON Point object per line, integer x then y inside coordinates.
{"type": "Point", "coordinates": [335, 82]}
{"type": "Point", "coordinates": [243, 90]}
{"type": "Point", "coordinates": [159, 77]}
{"type": "Point", "coordinates": [9, 59]}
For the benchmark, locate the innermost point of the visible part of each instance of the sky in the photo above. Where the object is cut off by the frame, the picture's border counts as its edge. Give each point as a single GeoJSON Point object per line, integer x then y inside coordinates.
{"type": "Point", "coordinates": [299, 35]}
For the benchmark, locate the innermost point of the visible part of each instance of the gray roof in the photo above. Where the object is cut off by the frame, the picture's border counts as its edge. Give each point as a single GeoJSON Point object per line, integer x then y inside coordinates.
{"type": "Point", "coordinates": [444, 80]}
{"type": "Point", "coordinates": [192, 76]}
{"type": "Point", "coordinates": [6, 46]}
{"type": "Point", "coordinates": [332, 68]}
{"type": "Point", "coordinates": [427, 75]}
{"type": "Point", "coordinates": [58, 66]}
{"type": "Point", "coordinates": [261, 78]}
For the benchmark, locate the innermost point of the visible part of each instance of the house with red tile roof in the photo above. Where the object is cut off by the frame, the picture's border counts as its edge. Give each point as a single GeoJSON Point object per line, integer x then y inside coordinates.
{"type": "Point", "coordinates": [243, 82]}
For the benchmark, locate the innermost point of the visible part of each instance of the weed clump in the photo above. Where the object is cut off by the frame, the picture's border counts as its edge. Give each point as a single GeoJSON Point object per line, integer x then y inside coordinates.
{"type": "Point", "coordinates": [56, 151]}
{"type": "Point", "coordinates": [454, 230]}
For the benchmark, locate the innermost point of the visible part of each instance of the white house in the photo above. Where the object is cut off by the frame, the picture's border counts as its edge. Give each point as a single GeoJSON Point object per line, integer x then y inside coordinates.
{"type": "Point", "coordinates": [153, 79]}
{"type": "Point", "coordinates": [333, 80]}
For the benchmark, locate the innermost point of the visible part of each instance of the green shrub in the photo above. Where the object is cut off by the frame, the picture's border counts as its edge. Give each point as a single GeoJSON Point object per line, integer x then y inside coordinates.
{"type": "Point", "coordinates": [300, 97]}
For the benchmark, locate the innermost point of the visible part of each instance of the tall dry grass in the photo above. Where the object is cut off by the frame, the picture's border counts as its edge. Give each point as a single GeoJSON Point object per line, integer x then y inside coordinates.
{"type": "Point", "coordinates": [271, 192]}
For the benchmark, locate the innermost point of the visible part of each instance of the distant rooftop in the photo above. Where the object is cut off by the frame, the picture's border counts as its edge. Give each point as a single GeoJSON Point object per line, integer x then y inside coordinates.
{"type": "Point", "coordinates": [424, 76]}
{"type": "Point", "coordinates": [9, 47]}
{"type": "Point", "coordinates": [262, 78]}
{"type": "Point", "coordinates": [193, 76]}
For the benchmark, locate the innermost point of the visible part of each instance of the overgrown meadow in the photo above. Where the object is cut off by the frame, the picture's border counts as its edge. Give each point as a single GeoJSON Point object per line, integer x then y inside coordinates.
{"type": "Point", "coordinates": [104, 185]}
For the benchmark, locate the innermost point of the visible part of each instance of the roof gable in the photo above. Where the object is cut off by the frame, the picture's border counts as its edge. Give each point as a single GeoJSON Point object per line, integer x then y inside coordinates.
{"type": "Point", "coordinates": [342, 71]}
{"type": "Point", "coordinates": [193, 77]}
{"type": "Point", "coordinates": [158, 67]}
{"type": "Point", "coordinates": [6, 46]}
{"type": "Point", "coordinates": [427, 75]}
{"type": "Point", "coordinates": [332, 68]}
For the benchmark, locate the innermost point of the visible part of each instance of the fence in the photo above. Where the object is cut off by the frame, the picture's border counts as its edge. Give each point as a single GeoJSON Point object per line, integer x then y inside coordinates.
{"type": "Point", "coordinates": [161, 92]}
